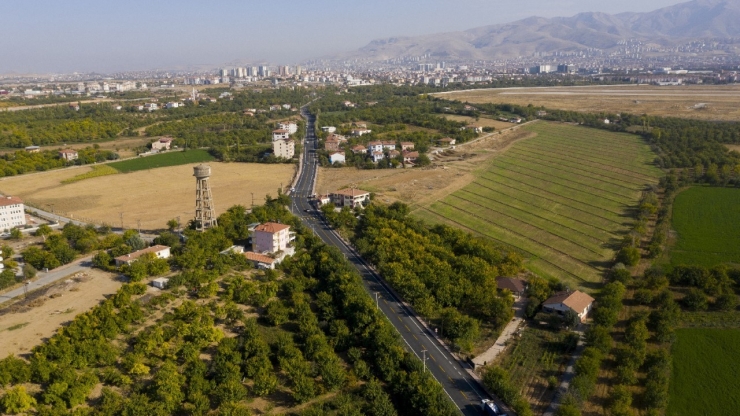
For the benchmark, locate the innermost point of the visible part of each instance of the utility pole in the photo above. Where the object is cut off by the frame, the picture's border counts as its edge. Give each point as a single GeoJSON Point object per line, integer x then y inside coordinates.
{"type": "Point", "coordinates": [121, 215]}
{"type": "Point", "coordinates": [25, 290]}
{"type": "Point", "coordinates": [252, 199]}
{"type": "Point", "coordinates": [424, 354]}
{"type": "Point", "coordinates": [377, 305]}
{"type": "Point", "coordinates": [138, 223]}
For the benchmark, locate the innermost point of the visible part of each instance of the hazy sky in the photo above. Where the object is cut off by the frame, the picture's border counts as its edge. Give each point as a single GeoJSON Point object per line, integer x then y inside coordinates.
{"type": "Point", "coordinates": [107, 36]}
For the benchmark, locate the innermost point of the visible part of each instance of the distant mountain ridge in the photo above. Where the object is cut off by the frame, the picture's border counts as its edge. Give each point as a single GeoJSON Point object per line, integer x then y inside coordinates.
{"type": "Point", "coordinates": [698, 19]}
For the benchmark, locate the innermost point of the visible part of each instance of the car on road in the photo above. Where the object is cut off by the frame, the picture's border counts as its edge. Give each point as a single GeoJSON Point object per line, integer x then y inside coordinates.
{"type": "Point", "coordinates": [490, 409]}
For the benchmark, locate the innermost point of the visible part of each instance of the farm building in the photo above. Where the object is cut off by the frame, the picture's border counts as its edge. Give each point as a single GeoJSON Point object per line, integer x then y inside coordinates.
{"type": "Point", "coordinates": [447, 141]}
{"type": "Point", "coordinates": [33, 149]}
{"type": "Point", "coordinates": [576, 301]}
{"type": "Point", "coordinates": [162, 252]}
{"type": "Point", "coordinates": [515, 286]}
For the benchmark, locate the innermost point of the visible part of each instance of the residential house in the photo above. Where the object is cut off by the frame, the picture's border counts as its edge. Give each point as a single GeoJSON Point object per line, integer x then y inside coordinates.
{"type": "Point", "coordinates": [329, 129]}
{"type": "Point", "coordinates": [360, 132]}
{"type": "Point", "coordinates": [331, 143]}
{"type": "Point", "coordinates": [12, 212]}
{"type": "Point", "coordinates": [284, 148]}
{"type": "Point", "coordinates": [476, 129]}
{"type": "Point", "coordinates": [275, 108]}
{"type": "Point", "coordinates": [407, 146]}
{"type": "Point", "coordinates": [515, 286]}
{"type": "Point", "coordinates": [447, 141]}
{"type": "Point", "coordinates": [359, 149]}
{"type": "Point", "coordinates": [172, 104]}
{"type": "Point", "coordinates": [410, 157]}
{"type": "Point", "coordinates": [280, 134]}
{"type": "Point", "coordinates": [271, 237]}
{"type": "Point", "coordinates": [162, 144]}
{"type": "Point", "coordinates": [337, 157]}
{"type": "Point", "coordinates": [68, 154]}
{"type": "Point", "coordinates": [151, 107]}
{"type": "Point", "coordinates": [377, 156]}
{"type": "Point", "coordinates": [393, 153]}
{"type": "Point", "coordinates": [576, 301]}
{"type": "Point", "coordinates": [162, 252]}
{"type": "Point", "coordinates": [388, 145]}
{"type": "Point", "coordinates": [375, 146]}
{"type": "Point", "coordinates": [349, 104]}
{"type": "Point", "coordinates": [350, 197]}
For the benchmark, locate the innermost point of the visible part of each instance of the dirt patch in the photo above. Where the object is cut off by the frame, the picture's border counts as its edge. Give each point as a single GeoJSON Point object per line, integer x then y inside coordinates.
{"type": "Point", "coordinates": [152, 196]}
{"type": "Point", "coordinates": [735, 147]}
{"type": "Point", "coordinates": [706, 102]}
{"type": "Point", "coordinates": [26, 324]}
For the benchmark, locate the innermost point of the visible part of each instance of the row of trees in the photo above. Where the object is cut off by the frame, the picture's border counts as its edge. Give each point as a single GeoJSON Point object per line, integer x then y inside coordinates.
{"type": "Point", "coordinates": [20, 162]}
{"type": "Point", "coordinates": [443, 272]}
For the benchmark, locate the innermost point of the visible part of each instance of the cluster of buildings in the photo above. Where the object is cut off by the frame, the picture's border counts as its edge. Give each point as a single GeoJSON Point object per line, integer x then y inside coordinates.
{"type": "Point", "coordinates": [282, 145]}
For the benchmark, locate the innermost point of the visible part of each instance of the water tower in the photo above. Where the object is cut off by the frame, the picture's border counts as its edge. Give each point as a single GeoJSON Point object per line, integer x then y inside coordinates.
{"type": "Point", "coordinates": [205, 213]}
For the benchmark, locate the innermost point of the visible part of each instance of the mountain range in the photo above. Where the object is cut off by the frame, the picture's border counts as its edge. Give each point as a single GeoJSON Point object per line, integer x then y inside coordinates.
{"type": "Point", "coordinates": [698, 19]}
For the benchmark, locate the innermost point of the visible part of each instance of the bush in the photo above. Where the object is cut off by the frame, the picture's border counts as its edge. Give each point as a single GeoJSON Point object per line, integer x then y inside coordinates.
{"type": "Point", "coordinates": [726, 302]}
{"type": "Point", "coordinates": [628, 255]}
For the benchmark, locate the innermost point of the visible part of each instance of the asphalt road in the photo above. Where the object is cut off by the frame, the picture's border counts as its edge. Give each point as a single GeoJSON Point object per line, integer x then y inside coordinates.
{"type": "Point", "coordinates": [461, 387]}
{"type": "Point", "coordinates": [42, 279]}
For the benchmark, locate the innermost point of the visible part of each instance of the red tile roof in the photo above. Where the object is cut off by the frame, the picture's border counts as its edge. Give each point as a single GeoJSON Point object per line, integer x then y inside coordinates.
{"type": "Point", "coordinates": [353, 192]}
{"type": "Point", "coordinates": [252, 256]}
{"type": "Point", "coordinates": [271, 227]}
{"type": "Point", "coordinates": [576, 300]}
{"type": "Point", "coordinates": [9, 200]}
{"type": "Point", "coordinates": [136, 254]}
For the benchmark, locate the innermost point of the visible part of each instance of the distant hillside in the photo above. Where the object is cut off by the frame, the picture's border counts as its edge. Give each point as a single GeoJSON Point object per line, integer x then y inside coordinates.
{"type": "Point", "coordinates": [662, 27]}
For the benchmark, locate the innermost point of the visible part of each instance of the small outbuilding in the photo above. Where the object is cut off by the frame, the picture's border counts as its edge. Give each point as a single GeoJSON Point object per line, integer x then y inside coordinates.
{"type": "Point", "coordinates": [160, 283]}
{"type": "Point", "coordinates": [515, 286]}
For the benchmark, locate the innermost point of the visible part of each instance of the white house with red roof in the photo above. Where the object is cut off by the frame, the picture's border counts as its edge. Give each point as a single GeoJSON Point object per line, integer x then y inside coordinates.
{"type": "Point", "coordinates": [162, 144]}
{"type": "Point", "coordinates": [12, 212]}
{"type": "Point", "coordinates": [162, 252]}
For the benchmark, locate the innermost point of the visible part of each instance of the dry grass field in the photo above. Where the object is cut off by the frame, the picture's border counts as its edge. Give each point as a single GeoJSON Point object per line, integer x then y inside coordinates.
{"type": "Point", "coordinates": [481, 122]}
{"type": "Point", "coordinates": [22, 327]}
{"type": "Point", "coordinates": [152, 196]}
{"type": "Point", "coordinates": [720, 102]}
{"type": "Point", "coordinates": [735, 147]}
{"type": "Point", "coordinates": [418, 187]}
{"type": "Point", "coordinates": [124, 146]}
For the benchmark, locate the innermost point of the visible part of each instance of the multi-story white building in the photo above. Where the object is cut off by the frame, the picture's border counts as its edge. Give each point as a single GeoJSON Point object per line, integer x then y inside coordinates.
{"type": "Point", "coordinates": [280, 134]}
{"type": "Point", "coordinates": [292, 128]}
{"type": "Point", "coordinates": [12, 213]}
{"type": "Point", "coordinates": [284, 148]}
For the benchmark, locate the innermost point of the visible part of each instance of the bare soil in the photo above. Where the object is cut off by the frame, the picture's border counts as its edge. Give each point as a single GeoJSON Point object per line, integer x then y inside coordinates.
{"type": "Point", "coordinates": [481, 122]}
{"type": "Point", "coordinates": [40, 317]}
{"type": "Point", "coordinates": [151, 196]}
{"type": "Point", "coordinates": [706, 102]}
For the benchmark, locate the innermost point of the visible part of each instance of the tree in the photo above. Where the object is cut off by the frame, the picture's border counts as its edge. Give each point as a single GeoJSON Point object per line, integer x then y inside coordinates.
{"type": "Point", "coordinates": [102, 260]}
{"type": "Point", "coordinates": [695, 300]}
{"type": "Point", "coordinates": [173, 224]}
{"type": "Point", "coordinates": [16, 234]}
{"type": "Point", "coordinates": [43, 231]}
{"type": "Point", "coordinates": [16, 400]}
{"type": "Point", "coordinates": [628, 255]}
{"type": "Point", "coordinates": [7, 251]}
{"type": "Point", "coordinates": [265, 382]}
{"type": "Point", "coordinates": [726, 302]}
{"type": "Point", "coordinates": [167, 386]}
{"type": "Point", "coordinates": [277, 313]}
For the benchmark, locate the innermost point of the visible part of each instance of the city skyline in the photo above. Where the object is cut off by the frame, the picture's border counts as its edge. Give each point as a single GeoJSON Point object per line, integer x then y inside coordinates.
{"type": "Point", "coordinates": [85, 36]}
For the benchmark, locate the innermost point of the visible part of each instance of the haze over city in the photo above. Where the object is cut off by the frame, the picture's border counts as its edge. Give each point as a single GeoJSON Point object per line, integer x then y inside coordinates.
{"type": "Point", "coordinates": [106, 36]}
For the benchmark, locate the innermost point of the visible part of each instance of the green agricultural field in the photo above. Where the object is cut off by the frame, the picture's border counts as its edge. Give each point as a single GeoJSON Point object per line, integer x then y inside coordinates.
{"type": "Point", "coordinates": [562, 198]}
{"type": "Point", "coordinates": [704, 379]}
{"type": "Point", "coordinates": [707, 221]}
{"type": "Point", "coordinates": [163, 160]}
